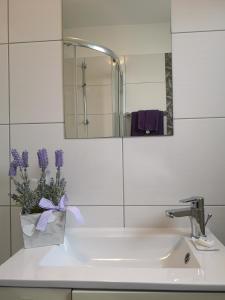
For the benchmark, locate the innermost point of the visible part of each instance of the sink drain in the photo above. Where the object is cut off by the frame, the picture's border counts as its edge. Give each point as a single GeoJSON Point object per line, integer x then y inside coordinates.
{"type": "Point", "coordinates": [187, 258]}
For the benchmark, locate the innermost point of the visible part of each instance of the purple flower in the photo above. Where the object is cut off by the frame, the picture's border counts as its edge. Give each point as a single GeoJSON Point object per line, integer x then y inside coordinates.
{"type": "Point", "coordinates": [58, 158]}
{"type": "Point", "coordinates": [12, 169]}
{"type": "Point", "coordinates": [17, 159]}
{"type": "Point", "coordinates": [25, 159]}
{"type": "Point", "coordinates": [42, 158]}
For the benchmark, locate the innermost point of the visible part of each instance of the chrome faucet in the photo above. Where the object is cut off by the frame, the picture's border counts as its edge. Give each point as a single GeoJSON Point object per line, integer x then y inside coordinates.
{"type": "Point", "coordinates": [196, 214]}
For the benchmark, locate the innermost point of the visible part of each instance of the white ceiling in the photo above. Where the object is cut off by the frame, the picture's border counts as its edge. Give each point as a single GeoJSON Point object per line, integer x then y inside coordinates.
{"type": "Point", "coordinates": [83, 13]}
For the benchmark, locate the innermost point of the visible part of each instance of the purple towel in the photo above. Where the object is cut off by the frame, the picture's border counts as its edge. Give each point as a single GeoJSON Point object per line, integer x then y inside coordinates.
{"type": "Point", "coordinates": [147, 122]}
{"type": "Point", "coordinates": [134, 125]}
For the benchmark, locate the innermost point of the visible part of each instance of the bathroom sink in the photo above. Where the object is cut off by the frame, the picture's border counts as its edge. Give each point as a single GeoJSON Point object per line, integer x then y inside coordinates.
{"type": "Point", "coordinates": [120, 258]}
{"type": "Point", "coordinates": [125, 249]}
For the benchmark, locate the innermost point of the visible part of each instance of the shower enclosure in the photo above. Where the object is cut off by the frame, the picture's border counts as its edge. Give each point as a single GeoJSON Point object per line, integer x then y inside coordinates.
{"type": "Point", "coordinates": [93, 90]}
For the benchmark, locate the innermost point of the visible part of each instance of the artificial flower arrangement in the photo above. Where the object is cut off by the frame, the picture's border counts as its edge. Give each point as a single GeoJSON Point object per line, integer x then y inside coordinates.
{"type": "Point", "coordinates": [43, 208]}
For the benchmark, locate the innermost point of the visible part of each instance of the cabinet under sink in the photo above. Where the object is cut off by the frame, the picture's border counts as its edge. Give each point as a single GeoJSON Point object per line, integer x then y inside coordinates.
{"type": "Point", "coordinates": [131, 295]}
{"type": "Point", "coordinates": [7, 293]}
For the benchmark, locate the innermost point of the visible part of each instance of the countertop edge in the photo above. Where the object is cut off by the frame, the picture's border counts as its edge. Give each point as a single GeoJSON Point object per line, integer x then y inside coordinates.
{"type": "Point", "coordinates": [112, 286]}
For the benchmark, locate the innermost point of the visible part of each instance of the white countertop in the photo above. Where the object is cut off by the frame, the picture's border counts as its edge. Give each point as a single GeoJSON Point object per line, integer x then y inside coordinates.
{"type": "Point", "coordinates": [24, 269]}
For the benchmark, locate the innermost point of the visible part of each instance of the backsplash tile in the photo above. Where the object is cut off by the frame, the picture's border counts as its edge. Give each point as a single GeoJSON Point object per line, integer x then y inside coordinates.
{"type": "Point", "coordinates": [157, 171]}
{"type": "Point", "coordinates": [4, 92]}
{"type": "Point", "coordinates": [216, 223]}
{"type": "Point", "coordinates": [197, 15]}
{"type": "Point", "coordinates": [98, 216]}
{"type": "Point", "coordinates": [3, 21]}
{"type": "Point", "coordinates": [162, 170]}
{"type": "Point", "coordinates": [36, 82]}
{"type": "Point", "coordinates": [4, 165]}
{"type": "Point", "coordinates": [93, 168]}
{"type": "Point", "coordinates": [199, 63]}
{"type": "Point", "coordinates": [32, 20]}
{"type": "Point", "coordinates": [16, 232]}
{"type": "Point", "coordinates": [4, 233]}
{"type": "Point", "coordinates": [152, 216]}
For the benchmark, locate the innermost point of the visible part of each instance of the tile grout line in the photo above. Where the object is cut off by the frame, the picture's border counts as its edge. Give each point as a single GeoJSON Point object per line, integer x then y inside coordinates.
{"type": "Point", "coordinates": [78, 205]}
{"type": "Point", "coordinates": [124, 87]}
{"type": "Point", "coordinates": [197, 31]}
{"type": "Point", "coordinates": [34, 42]}
{"type": "Point", "coordinates": [199, 118]}
{"type": "Point", "coordinates": [9, 94]}
{"type": "Point", "coordinates": [36, 123]}
{"type": "Point", "coordinates": [170, 205]}
{"type": "Point", "coordinates": [124, 213]}
{"type": "Point", "coordinates": [52, 123]}
{"type": "Point", "coordinates": [130, 205]}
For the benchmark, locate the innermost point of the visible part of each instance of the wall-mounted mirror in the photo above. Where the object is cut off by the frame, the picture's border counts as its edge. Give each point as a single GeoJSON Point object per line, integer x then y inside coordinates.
{"type": "Point", "coordinates": [117, 68]}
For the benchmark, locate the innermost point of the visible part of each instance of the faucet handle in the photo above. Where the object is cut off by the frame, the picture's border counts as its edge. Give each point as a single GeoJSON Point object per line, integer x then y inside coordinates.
{"type": "Point", "coordinates": [194, 199]}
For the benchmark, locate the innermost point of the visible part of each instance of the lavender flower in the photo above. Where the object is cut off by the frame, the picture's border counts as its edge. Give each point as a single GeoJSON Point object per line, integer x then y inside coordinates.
{"type": "Point", "coordinates": [17, 159]}
{"type": "Point", "coordinates": [12, 169]}
{"type": "Point", "coordinates": [42, 158]}
{"type": "Point", "coordinates": [29, 196]}
{"type": "Point", "coordinates": [58, 158]}
{"type": "Point", "coordinates": [25, 159]}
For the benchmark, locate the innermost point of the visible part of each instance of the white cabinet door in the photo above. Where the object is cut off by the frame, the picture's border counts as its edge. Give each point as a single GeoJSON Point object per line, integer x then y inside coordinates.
{"type": "Point", "coordinates": [110, 295]}
{"type": "Point", "coordinates": [34, 294]}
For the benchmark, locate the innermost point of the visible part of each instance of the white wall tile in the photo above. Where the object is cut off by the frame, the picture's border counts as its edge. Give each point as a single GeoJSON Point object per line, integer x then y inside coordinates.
{"type": "Point", "coordinates": [145, 68]}
{"type": "Point", "coordinates": [217, 222]}
{"type": "Point", "coordinates": [162, 170]}
{"type": "Point", "coordinates": [4, 233]}
{"type": "Point", "coordinates": [16, 232]}
{"type": "Point", "coordinates": [198, 74]}
{"type": "Point", "coordinates": [112, 216]}
{"type": "Point", "coordinates": [98, 216]}
{"type": "Point", "coordinates": [36, 82]}
{"type": "Point", "coordinates": [197, 15]}
{"type": "Point", "coordinates": [32, 20]}
{"type": "Point", "coordinates": [158, 171]}
{"type": "Point", "coordinates": [153, 217]}
{"type": "Point", "coordinates": [4, 92]}
{"type": "Point", "coordinates": [94, 216]}
{"type": "Point", "coordinates": [93, 168]}
{"type": "Point", "coordinates": [145, 96]}
{"type": "Point", "coordinates": [4, 165]}
{"type": "Point", "coordinates": [3, 21]}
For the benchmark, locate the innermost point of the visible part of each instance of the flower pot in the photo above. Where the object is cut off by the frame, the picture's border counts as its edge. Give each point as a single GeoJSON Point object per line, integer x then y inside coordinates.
{"type": "Point", "coordinates": [53, 234]}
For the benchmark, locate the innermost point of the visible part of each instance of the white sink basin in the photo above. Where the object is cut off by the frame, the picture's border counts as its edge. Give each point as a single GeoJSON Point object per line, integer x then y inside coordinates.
{"type": "Point", "coordinates": [118, 258]}
{"type": "Point", "coordinates": [125, 249]}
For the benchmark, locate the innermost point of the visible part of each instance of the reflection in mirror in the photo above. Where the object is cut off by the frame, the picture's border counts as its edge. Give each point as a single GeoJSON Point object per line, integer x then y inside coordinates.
{"type": "Point", "coordinates": [91, 91]}
{"type": "Point", "coordinates": [117, 68]}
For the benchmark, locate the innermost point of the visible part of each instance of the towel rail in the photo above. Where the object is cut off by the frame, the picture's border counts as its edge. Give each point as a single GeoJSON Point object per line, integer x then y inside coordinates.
{"type": "Point", "coordinates": [128, 114]}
